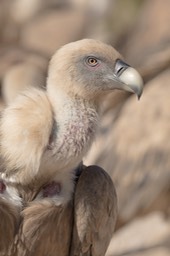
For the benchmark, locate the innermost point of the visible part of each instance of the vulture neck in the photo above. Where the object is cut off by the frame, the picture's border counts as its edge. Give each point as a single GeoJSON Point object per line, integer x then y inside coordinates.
{"type": "Point", "coordinates": [75, 125]}
{"type": "Point", "coordinates": [61, 99]}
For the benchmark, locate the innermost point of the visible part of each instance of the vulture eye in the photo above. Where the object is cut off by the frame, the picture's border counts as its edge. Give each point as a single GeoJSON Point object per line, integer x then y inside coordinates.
{"type": "Point", "coordinates": [92, 62]}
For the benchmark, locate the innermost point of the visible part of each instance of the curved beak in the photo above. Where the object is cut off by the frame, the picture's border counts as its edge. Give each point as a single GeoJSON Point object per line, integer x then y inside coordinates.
{"type": "Point", "coordinates": [129, 78]}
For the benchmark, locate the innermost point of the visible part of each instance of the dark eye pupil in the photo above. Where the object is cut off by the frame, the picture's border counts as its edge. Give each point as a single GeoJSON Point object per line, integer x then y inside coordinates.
{"type": "Point", "coordinates": [92, 61]}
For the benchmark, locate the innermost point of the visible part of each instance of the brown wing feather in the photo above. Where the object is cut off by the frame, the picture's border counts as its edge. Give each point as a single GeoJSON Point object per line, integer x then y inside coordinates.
{"type": "Point", "coordinates": [95, 212]}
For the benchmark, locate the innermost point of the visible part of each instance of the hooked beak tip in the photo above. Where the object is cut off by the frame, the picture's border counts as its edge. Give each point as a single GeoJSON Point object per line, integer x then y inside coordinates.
{"type": "Point", "coordinates": [133, 81]}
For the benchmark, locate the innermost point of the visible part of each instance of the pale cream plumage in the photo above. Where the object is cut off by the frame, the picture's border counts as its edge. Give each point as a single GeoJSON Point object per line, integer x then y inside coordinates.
{"type": "Point", "coordinates": [46, 133]}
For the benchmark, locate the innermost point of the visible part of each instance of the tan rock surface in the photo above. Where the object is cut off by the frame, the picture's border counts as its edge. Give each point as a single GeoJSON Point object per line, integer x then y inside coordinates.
{"type": "Point", "coordinates": [9, 56]}
{"type": "Point", "coordinates": [148, 236]}
{"type": "Point", "coordinates": [150, 33]}
{"type": "Point", "coordinates": [53, 29]}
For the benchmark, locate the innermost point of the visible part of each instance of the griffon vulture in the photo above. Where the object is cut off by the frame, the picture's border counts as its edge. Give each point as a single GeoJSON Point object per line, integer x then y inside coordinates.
{"type": "Point", "coordinates": [46, 132]}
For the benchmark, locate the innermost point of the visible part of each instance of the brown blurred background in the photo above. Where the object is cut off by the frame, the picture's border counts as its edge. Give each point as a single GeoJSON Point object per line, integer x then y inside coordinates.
{"type": "Point", "coordinates": [133, 143]}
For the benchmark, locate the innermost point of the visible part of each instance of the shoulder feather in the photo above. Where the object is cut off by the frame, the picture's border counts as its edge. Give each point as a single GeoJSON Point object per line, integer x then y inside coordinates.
{"type": "Point", "coordinates": [25, 129]}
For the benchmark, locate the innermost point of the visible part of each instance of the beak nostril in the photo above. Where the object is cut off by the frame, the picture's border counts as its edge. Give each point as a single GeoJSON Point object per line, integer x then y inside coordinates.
{"type": "Point", "coordinates": [120, 66]}
{"type": "Point", "coordinates": [120, 71]}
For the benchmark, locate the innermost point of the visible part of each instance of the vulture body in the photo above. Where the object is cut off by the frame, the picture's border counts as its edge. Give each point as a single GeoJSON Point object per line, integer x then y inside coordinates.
{"type": "Point", "coordinates": [45, 133]}
{"type": "Point", "coordinates": [83, 226]}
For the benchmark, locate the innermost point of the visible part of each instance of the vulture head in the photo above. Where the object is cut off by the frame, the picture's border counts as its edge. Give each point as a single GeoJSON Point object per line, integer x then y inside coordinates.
{"type": "Point", "coordinates": [91, 69]}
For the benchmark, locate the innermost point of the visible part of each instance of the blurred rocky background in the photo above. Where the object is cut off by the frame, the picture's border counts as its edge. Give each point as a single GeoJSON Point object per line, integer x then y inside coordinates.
{"type": "Point", "coordinates": [133, 143]}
